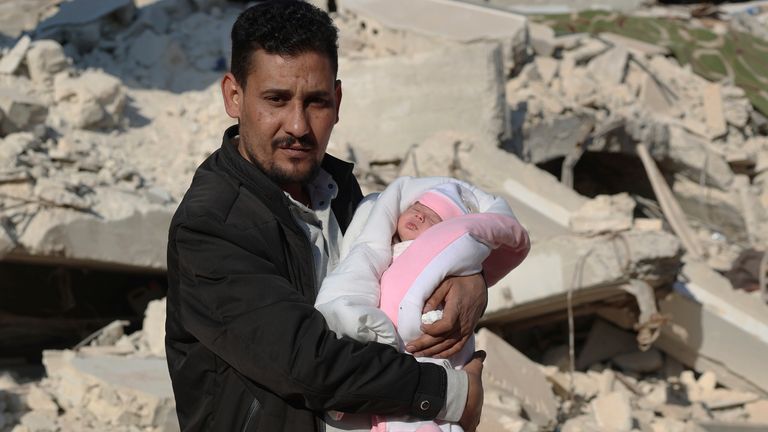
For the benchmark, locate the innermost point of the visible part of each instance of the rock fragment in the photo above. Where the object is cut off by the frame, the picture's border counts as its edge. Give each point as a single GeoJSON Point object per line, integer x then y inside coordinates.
{"type": "Point", "coordinates": [11, 60]}
{"type": "Point", "coordinates": [45, 59]}
{"type": "Point", "coordinates": [21, 111]}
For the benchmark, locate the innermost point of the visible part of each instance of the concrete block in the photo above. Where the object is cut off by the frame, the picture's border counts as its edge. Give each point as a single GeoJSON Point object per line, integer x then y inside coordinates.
{"type": "Point", "coordinates": [39, 400]}
{"type": "Point", "coordinates": [11, 61]}
{"type": "Point", "coordinates": [613, 412]}
{"type": "Point", "coordinates": [450, 20]}
{"type": "Point", "coordinates": [153, 328]}
{"type": "Point", "coordinates": [604, 213]}
{"type": "Point", "coordinates": [542, 39]}
{"type": "Point", "coordinates": [92, 100]}
{"type": "Point", "coordinates": [21, 112]}
{"type": "Point", "coordinates": [509, 372]}
{"type": "Point", "coordinates": [45, 59]}
{"type": "Point", "coordinates": [432, 94]}
{"type": "Point", "coordinates": [546, 68]}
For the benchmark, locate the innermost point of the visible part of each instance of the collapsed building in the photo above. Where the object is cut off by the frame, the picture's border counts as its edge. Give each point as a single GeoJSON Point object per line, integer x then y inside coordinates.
{"type": "Point", "coordinates": [639, 173]}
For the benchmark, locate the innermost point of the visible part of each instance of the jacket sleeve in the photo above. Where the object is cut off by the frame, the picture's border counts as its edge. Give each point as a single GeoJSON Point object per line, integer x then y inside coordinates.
{"type": "Point", "coordinates": [233, 300]}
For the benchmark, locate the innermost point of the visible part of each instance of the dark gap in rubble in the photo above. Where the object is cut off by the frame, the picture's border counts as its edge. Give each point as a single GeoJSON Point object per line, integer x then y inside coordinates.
{"type": "Point", "coordinates": [601, 173]}
{"type": "Point", "coordinates": [53, 306]}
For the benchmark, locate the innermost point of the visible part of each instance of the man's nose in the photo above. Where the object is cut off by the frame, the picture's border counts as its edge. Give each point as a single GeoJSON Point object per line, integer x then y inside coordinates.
{"type": "Point", "coordinates": [297, 123]}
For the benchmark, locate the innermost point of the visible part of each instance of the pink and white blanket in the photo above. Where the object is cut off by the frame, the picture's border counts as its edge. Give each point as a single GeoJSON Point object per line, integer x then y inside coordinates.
{"type": "Point", "coordinates": [370, 297]}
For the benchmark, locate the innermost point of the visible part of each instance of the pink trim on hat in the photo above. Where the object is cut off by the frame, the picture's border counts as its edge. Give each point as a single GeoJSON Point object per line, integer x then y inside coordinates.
{"type": "Point", "coordinates": [445, 207]}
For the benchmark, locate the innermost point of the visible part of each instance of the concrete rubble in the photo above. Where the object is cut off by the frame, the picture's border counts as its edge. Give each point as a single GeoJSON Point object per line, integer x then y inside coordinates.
{"type": "Point", "coordinates": [642, 179]}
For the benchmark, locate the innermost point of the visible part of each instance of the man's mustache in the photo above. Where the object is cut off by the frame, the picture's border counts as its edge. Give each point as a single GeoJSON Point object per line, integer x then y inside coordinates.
{"type": "Point", "coordinates": [288, 141]}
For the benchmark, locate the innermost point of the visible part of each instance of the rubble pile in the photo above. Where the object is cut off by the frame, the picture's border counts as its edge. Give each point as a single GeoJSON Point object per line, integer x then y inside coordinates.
{"type": "Point", "coordinates": [642, 179]}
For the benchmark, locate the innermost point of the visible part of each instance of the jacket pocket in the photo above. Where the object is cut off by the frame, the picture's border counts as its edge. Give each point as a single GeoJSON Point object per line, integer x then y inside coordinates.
{"type": "Point", "coordinates": [251, 416]}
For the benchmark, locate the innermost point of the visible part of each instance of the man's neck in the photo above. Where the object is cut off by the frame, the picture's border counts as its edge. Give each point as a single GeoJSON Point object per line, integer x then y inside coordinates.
{"type": "Point", "coordinates": [297, 192]}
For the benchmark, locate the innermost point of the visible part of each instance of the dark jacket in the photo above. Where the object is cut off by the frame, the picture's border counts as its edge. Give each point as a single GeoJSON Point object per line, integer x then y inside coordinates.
{"type": "Point", "coordinates": [246, 349]}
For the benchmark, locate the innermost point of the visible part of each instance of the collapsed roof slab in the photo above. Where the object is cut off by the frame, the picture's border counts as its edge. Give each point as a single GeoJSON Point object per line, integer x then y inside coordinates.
{"type": "Point", "coordinates": [391, 103]}
{"type": "Point", "coordinates": [449, 20]}
{"type": "Point", "coordinates": [595, 269]}
{"type": "Point", "coordinates": [136, 240]}
{"type": "Point", "coordinates": [715, 327]}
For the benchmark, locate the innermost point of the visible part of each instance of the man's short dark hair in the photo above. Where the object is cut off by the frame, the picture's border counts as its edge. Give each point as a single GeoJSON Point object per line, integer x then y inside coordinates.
{"type": "Point", "coordinates": [283, 27]}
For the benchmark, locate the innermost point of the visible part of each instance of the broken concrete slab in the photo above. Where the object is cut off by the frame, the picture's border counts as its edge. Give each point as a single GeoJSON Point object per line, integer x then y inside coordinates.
{"type": "Point", "coordinates": [713, 207]}
{"type": "Point", "coordinates": [11, 61]}
{"type": "Point", "coordinates": [669, 205]}
{"type": "Point", "coordinates": [711, 323]}
{"type": "Point", "coordinates": [450, 20]}
{"type": "Point", "coordinates": [508, 372]}
{"type": "Point", "coordinates": [63, 234]}
{"type": "Point", "coordinates": [432, 96]}
{"type": "Point", "coordinates": [593, 268]}
{"type": "Point", "coordinates": [120, 391]}
{"type": "Point", "coordinates": [610, 67]}
{"type": "Point", "coordinates": [692, 157]}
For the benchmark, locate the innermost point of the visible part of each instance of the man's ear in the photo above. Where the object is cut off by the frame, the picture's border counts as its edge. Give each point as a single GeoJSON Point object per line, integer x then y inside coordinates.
{"type": "Point", "coordinates": [338, 98]}
{"type": "Point", "coordinates": [233, 95]}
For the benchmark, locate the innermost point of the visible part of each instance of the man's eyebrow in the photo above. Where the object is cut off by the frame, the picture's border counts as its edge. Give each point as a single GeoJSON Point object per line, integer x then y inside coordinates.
{"type": "Point", "coordinates": [319, 93]}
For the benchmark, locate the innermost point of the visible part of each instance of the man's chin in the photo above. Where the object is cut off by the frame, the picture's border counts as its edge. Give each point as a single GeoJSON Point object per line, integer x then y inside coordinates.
{"type": "Point", "coordinates": [294, 174]}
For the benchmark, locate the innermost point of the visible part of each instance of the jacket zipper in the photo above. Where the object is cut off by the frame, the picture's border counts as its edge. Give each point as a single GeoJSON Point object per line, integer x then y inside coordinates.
{"type": "Point", "coordinates": [251, 411]}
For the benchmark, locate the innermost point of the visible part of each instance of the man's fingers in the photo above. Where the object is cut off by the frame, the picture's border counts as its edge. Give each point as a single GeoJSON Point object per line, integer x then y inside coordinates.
{"type": "Point", "coordinates": [441, 327]}
{"type": "Point", "coordinates": [437, 351]}
{"type": "Point", "coordinates": [423, 342]}
{"type": "Point", "coordinates": [437, 298]}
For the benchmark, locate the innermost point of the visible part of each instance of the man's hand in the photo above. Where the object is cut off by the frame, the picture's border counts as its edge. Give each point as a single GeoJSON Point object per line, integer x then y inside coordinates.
{"type": "Point", "coordinates": [464, 299]}
{"type": "Point", "coordinates": [474, 407]}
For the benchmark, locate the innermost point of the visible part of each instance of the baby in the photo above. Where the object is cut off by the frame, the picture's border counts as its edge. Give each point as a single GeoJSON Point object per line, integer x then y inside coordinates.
{"type": "Point", "coordinates": [418, 232]}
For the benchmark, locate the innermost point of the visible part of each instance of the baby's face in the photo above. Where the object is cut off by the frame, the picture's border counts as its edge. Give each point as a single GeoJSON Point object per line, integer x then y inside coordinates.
{"type": "Point", "coordinates": [415, 220]}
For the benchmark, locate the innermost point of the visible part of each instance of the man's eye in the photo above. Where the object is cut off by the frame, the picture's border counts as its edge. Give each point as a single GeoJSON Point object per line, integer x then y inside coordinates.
{"type": "Point", "coordinates": [274, 98]}
{"type": "Point", "coordinates": [320, 102]}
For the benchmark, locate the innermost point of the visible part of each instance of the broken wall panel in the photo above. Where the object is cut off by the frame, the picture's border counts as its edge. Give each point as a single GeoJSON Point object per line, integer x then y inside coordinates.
{"type": "Point", "coordinates": [712, 323]}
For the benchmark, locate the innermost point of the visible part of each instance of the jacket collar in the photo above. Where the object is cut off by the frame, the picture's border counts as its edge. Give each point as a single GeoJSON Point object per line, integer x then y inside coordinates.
{"type": "Point", "coordinates": [254, 178]}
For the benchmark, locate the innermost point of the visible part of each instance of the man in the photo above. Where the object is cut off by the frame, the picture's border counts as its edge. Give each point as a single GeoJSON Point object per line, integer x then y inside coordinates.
{"type": "Point", "coordinates": [256, 233]}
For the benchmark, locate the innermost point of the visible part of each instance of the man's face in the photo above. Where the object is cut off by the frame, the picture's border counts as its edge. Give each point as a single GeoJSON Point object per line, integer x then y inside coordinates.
{"type": "Point", "coordinates": [286, 113]}
{"type": "Point", "coordinates": [415, 220]}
